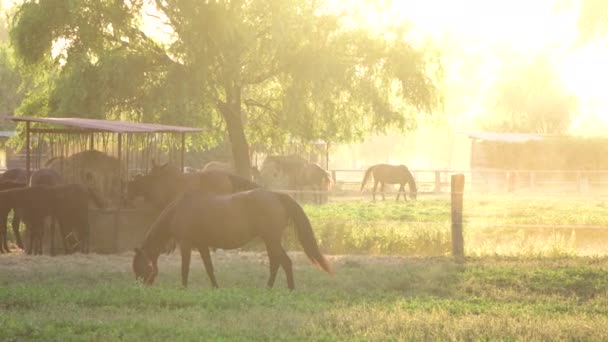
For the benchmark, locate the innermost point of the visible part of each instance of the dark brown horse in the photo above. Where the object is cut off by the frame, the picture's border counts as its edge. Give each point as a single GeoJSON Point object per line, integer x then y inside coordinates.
{"type": "Point", "coordinates": [17, 175]}
{"type": "Point", "coordinates": [4, 211]}
{"type": "Point", "coordinates": [203, 220]}
{"type": "Point", "coordinates": [46, 177]}
{"type": "Point", "coordinates": [391, 174]}
{"type": "Point", "coordinates": [164, 183]}
{"type": "Point", "coordinates": [68, 203]}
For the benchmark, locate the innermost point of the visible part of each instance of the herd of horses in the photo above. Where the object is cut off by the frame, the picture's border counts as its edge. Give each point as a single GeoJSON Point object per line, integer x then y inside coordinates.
{"type": "Point", "coordinates": [213, 208]}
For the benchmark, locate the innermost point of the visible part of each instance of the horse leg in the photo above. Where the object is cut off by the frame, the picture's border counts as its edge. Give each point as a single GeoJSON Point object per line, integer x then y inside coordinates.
{"type": "Point", "coordinates": [401, 191]}
{"type": "Point", "coordinates": [382, 190]}
{"type": "Point", "coordinates": [274, 258]}
{"type": "Point", "coordinates": [52, 237]}
{"type": "Point", "coordinates": [31, 236]}
{"type": "Point", "coordinates": [374, 190]}
{"type": "Point", "coordinates": [204, 251]}
{"type": "Point", "coordinates": [186, 252]}
{"type": "Point", "coordinates": [3, 237]}
{"type": "Point", "coordinates": [3, 240]}
{"type": "Point", "coordinates": [15, 224]}
{"type": "Point", "coordinates": [287, 267]}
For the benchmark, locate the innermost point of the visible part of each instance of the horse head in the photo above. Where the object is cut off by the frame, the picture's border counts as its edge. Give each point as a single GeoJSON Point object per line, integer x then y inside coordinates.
{"type": "Point", "coordinates": [144, 267]}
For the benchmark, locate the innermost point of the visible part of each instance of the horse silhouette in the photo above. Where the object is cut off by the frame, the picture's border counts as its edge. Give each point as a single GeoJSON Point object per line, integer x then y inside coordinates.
{"type": "Point", "coordinates": [299, 174]}
{"type": "Point", "coordinates": [390, 174]}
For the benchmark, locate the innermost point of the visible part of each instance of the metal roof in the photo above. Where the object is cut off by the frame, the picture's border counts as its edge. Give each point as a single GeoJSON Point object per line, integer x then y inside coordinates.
{"type": "Point", "coordinates": [506, 137]}
{"type": "Point", "coordinates": [109, 125]}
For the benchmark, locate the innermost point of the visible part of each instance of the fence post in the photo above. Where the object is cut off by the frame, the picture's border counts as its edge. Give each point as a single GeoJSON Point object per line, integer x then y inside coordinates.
{"type": "Point", "coordinates": [437, 182]}
{"type": "Point", "coordinates": [457, 187]}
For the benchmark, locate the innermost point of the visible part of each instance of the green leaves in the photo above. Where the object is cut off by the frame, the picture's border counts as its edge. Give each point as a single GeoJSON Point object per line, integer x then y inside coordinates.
{"type": "Point", "coordinates": [282, 69]}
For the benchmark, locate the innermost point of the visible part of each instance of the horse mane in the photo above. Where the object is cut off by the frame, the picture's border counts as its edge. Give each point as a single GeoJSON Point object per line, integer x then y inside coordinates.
{"type": "Point", "coordinates": [50, 161]}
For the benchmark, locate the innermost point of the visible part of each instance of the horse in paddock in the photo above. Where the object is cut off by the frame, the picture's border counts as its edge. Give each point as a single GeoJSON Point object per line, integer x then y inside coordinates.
{"type": "Point", "coordinates": [7, 185]}
{"type": "Point", "coordinates": [164, 183]}
{"type": "Point", "coordinates": [46, 177]}
{"type": "Point", "coordinates": [67, 203]}
{"type": "Point", "coordinates": [204, 220]}
{"type": "Point", "coordinates": [227, 167]}
{"type": "Point", "coordinates": [300, 175]}
{"type": "Point", "coordinates": [390, 174]}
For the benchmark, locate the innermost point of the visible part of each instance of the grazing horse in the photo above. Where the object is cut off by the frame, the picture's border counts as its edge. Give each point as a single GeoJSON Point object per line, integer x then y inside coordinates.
{"type": "Point", "coordinates": [164, 183]}
{"type": "Point", "coordinates": [68, 203]}
{"type": "Point", "coordinates": [7, 185]}
{"type": "Point", "coordinates": [203, 220]}
{"type": "Point", "coordinates": [391, 174]}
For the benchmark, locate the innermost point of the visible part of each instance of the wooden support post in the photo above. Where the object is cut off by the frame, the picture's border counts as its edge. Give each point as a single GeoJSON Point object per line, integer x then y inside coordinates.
{"type": "Point", "coordinates": [333, 176]}
{"type": "Point", "coordinates": [437, 182]}
{"type": "Point", "coordinates": [532, 181]}
{"type": "Point", "coordinates": [120, 193]}
{"type": "Point", "coordinates": [457, 187]}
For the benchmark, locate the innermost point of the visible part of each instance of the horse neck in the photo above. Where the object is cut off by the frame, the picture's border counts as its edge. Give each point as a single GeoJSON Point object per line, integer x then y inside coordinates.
{"type": "Point", "coordinates": [410, 181]}
{"type": "Point", "coordinates": [157, 236]}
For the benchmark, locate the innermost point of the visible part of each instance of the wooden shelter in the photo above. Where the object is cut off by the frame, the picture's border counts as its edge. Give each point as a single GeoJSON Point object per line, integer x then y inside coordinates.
{"type": "Point", "coordinates": [130, 146]}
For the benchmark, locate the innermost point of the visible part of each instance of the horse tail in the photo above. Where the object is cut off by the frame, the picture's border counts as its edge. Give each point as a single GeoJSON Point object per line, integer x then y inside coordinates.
{"type": "Point", "coordinates": [368, 172]}
{"type": "Point", "coordinates": [304, 232]}
{"type": "Point", "coordinates": [96, 198]}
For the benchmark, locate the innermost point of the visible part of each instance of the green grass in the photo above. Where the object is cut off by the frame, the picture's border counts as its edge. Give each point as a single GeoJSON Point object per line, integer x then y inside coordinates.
{"type": "Point", "coordinates": [369, 298]}
{"type": "Point", "coordinates": [493, 225]}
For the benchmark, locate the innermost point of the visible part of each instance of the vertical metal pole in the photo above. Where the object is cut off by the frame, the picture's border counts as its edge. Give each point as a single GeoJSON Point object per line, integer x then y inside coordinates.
{"type": "Point", "coordinates": [183, 151]}
{"type": "Point", "coordinates": [117, 211]}
{"type": "Point", "coordinates": [28, 166]}
{"type": "Point", "coordinates": [326, 155]}
{"type": "Point", "coordinates": [457, 236]}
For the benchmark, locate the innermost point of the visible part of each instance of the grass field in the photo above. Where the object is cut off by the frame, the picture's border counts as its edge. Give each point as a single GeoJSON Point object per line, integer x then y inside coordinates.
{"type": "Point", "coordinates": [529, 276]}
{"type": "Point", "coordinates": [493, 225]}
{"type": "Point", "coordinates": [94, 297]}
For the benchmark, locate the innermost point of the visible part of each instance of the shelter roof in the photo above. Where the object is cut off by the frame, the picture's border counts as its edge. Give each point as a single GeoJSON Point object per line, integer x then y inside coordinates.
{"type": "Point", "coordinates": [506, 137]}
{"type": "Point", "coordinates": [108, 125]}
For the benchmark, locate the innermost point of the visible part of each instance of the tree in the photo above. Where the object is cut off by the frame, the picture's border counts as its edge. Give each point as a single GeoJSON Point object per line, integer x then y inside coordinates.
{"type": "Point", "coordinates": [263, 69]}
{"type": "Point", "coordinates": [531, 98]}
{"type": "Point", "coordinates": [593, 19]}
{"type": "Point", "coordinates": [10, 81]}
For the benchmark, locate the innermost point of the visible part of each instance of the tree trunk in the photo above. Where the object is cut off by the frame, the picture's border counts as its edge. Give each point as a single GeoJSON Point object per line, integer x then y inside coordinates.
{"type": "Point", "coordinates": [240, 148]}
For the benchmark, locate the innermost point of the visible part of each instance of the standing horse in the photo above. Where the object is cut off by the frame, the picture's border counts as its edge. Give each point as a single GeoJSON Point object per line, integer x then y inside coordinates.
{"type": "Point", "coordinates": [164, 183]}
{"type": "Point", "coordinates": [228, 168]}
{"type": "Point", "coordinates": [204, 220]}
{"type": "Point", "coordinates": [298, 174]}
{"type": "Point", "coordinates": [68, 203]}
{"type": "Point", "coordinates": [45, 177]}
{"type": "Point", "coordinates": [391, 174]}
